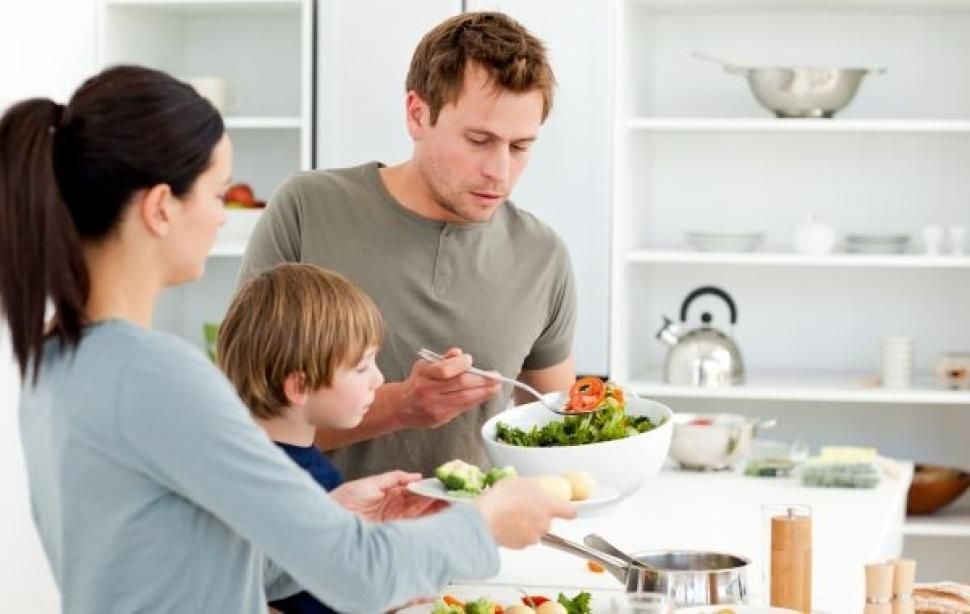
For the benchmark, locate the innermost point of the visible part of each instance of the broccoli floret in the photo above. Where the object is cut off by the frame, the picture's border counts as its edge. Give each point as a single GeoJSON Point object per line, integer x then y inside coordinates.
{"type": "Point", "coordinates": [440, 607]}
{"type": "Point", "coordinates": [481, 606]}
{"type": "Point", "coordinates": [459, 475]}
{"type": "Point", "coordinates": [577, 605]}
{"type": "Point", "coordinates": [499, 473]}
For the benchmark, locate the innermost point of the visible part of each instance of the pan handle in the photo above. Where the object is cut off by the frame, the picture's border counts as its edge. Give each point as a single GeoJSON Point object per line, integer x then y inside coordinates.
{"type": "Point", "coordinates": [734, 69]}
{"type": "Point", "coordinates": [615, 566]}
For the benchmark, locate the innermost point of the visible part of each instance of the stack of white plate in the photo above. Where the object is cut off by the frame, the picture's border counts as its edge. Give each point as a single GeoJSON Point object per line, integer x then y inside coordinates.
{"type": "Point", "coordinates": [877, 243]}
{"type": "Point", "coordinates": [897, 355]}
{"type": "Point", "coordinates": [725, 241]}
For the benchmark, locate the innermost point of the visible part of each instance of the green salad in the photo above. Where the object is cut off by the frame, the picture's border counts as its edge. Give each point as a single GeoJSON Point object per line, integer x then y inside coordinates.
{"type": "Point", "coordinates": [606, 424]}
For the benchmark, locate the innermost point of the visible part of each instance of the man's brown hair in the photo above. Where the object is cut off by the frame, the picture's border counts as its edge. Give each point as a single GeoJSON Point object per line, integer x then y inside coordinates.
{"type": "Point", "coordinates": [293, 318]}
{"type": "Point", "coordinates": [515, 59]}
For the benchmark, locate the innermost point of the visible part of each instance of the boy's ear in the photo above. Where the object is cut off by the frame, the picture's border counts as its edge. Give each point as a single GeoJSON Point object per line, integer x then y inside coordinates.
{"type": "Point", "coordinates": [295, 389]}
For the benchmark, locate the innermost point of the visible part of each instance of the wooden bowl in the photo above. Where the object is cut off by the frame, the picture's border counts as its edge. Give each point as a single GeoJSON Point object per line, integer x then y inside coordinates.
{"type": "Point", "coordinates": [934, 487]}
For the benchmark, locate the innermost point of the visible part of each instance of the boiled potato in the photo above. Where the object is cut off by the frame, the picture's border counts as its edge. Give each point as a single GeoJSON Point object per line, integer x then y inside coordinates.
{"type": "Point", "coordinates": [551, 607]}
{"type": "Point", "coordinates": [581, 483]}
{"type": "Point", "coordinates": [519, 609]}
{"type": "Point", "coordinates": [555, 486]}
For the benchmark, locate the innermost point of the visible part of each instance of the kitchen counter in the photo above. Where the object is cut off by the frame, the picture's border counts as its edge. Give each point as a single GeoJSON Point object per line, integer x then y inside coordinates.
{"type": "Point", "coordinates": [722, 511]}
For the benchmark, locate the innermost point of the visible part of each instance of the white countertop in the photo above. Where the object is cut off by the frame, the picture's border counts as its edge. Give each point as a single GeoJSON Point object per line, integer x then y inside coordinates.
{"type": "Point", "coordinates": [722, 512]}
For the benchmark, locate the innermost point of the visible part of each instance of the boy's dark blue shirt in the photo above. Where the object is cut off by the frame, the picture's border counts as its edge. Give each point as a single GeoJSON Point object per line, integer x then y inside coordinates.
{"type": "Point", "coordinates": [317, 465]}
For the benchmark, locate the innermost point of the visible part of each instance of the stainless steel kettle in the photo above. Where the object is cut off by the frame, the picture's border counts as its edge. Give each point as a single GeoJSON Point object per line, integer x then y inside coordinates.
{"type": "Point", "coordinates": [702, 356]}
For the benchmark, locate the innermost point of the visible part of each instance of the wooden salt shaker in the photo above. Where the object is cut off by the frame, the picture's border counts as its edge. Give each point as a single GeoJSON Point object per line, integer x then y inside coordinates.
{"type": "Point", "coordinates": [904, 576]}
{"type": "Point", "coordinates": [879, 588]}
{"type": "Point", "coordinates": [791, 561]}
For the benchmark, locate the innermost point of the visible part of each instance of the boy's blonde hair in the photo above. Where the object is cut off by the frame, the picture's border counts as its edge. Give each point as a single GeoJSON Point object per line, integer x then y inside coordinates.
{"type": "Point", "coordinates": [293, 318]}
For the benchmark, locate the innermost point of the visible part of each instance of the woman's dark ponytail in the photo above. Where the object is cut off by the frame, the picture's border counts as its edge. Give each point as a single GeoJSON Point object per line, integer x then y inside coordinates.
{"type": "Point", "coordinates": [66, 176]}
{"type": "Point", "coordinates": [39, 247]}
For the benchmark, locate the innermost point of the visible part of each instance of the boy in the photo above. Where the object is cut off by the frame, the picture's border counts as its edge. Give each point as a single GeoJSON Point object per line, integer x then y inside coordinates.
{"type": "Point", "coordinates": [298, 343]}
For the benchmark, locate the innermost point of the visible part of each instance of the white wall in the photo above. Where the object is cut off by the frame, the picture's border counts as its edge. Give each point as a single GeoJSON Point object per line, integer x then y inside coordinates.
{"type": "Point", "coordinates": [25, 580]}
{"type": "Point", "coordinates": [47, 47]}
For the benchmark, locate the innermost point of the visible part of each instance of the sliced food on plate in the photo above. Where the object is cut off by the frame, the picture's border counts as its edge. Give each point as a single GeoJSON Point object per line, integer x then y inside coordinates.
{"type": "Point", "coordinates": [529, 604]}
{"type": "Point", "coordinates": [457, 480]}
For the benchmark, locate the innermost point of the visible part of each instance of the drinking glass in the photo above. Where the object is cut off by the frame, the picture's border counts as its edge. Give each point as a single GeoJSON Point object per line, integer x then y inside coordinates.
{"type": "Point", "coordinates": [642, 603]}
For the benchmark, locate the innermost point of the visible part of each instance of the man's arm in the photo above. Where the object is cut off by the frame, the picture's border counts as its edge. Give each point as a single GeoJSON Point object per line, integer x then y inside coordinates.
{"type": "Point", "coordinates": [556, 377]}
{"type": "Point", "coordinates": [431, 395]}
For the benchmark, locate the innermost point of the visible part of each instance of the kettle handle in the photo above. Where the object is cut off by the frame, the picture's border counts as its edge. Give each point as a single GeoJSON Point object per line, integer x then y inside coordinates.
{"type": "Point", "coordinates": [709, 290]}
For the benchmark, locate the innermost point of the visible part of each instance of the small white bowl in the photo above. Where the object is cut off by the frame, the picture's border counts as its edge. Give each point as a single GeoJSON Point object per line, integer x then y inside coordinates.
{"type": "Point", "coordinates": [622, 463]}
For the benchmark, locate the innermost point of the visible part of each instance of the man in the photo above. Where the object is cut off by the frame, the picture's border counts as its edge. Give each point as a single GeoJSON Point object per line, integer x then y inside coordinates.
{"type": "Point", "coordinates": [450, 262]}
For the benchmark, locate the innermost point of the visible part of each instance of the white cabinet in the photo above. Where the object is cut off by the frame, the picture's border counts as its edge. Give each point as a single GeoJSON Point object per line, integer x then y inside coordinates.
{"type": "Point", "coordinates": [262, 51]}
{"type": "Point", "coordinates": [694, 151]}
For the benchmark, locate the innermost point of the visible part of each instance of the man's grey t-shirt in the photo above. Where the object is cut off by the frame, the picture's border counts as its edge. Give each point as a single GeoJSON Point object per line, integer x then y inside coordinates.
{"type": "Point", "coordinates": [154, 491]}
{"type": "Point", "coordinates": [501, 290]}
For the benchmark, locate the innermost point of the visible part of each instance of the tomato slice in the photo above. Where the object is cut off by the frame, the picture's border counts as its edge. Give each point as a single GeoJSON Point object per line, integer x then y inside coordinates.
{"type": "Point", "coordinates": [595, 567]}
{"type": "Point", "coordinates": [453, 601]}
{"type": "Point", "coordinates": [701, 422]}
{"type": "Point", "coordinates": [534, 601]}
{"type": "Point", "coordinates": [586, 394]}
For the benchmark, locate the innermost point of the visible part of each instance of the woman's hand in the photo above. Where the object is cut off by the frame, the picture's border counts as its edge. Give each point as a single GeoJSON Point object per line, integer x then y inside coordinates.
{"type": "Point", "coordinates": [518, 512]}
{"type": "Point", "coordinates": [385, 496]}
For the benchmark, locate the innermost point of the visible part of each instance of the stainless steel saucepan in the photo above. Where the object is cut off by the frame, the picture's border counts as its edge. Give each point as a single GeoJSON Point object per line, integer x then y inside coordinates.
{"type": "Point", "coordinates": [688, 577]}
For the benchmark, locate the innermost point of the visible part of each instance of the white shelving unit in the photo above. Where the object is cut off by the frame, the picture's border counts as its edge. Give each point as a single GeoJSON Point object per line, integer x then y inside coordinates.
{"type": "Point", "coordinates": [875, 126]}
{"type": "Point", "coordinates": [945, 524]}
{"type": "Point", "coordinates": [790, 259]}
{"type": "Point", "coordinates": [695, 152]}
{"type": "Point", "coordinates": [825, 387]}
{"type": "Point", "coordinates": [263, 49]}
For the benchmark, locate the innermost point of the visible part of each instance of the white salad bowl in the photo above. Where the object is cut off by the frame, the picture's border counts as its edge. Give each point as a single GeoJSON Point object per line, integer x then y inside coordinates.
{"type": "Point", "coordinates": [622, 464]}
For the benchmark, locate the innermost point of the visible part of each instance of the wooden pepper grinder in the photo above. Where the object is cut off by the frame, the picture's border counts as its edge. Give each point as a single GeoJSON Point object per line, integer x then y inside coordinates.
{"type": "Point", "coordinates": [791, 559]}
{"type": "Point", "coordinates": [904, 576]}
{"type": "Point", "coordinates": [879, 588]}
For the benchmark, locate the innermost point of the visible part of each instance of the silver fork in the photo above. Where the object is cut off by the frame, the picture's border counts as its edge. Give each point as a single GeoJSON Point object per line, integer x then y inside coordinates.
{"type": "Point", "coordinates": [428, 355]}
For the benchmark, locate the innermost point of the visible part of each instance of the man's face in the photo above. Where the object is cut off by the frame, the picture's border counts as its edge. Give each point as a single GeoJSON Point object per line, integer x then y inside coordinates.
{"type": "Point", "coordinates": [473, 156]}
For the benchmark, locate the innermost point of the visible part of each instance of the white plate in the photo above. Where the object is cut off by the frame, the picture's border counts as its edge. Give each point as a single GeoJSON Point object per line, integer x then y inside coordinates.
{"type": "Point", "coordinates": [602, 497]}
{"type": "Point", "coordinates": [736, 609]}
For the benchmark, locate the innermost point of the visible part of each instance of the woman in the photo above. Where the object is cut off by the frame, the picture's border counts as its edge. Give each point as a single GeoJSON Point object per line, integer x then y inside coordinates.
{"type": "Point", "coordinates": [151, 487]}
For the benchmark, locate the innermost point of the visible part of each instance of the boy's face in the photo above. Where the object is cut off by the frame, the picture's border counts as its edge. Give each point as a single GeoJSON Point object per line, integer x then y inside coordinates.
{"type": "Point", "coordinates": [342, 405]}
